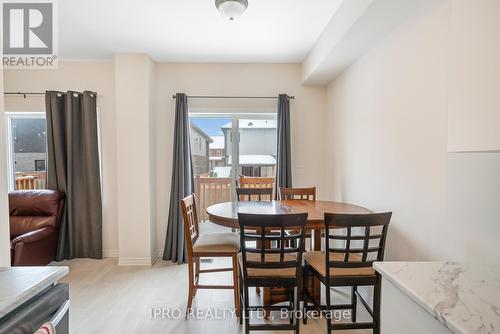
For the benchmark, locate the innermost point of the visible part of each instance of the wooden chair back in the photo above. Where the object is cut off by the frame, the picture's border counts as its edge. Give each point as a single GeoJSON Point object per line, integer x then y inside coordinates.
{"type": "Point", "coordinates": [308, 194]}
{"type": "Point", "coordinates": [257, 182]}
{"type": "Point", "coordinates": [190, 217]}
{"type": "Point", "coordinates": [361, 237]}
{"type": "Point", "coordinates": [254, 194]}
{"type": "Point", "coordinates": [255, 239]}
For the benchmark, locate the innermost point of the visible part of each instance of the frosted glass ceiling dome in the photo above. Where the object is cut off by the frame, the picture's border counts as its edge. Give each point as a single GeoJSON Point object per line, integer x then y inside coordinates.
{"type": "Point", "coordinates": [231, 8]}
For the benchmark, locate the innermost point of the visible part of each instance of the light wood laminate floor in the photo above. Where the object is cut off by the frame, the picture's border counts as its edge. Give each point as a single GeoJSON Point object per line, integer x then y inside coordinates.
{"type": "Point", "coordinates": [107, 298]}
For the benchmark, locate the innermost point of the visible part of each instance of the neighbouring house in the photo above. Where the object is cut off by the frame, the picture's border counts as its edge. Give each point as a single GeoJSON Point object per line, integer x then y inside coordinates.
{"type": "Point", "coordinates": [28, 138]}
{"type": "Point", "coordinates": [217, 154]}
{"type": "Point", "coordinates": [200, 142]}
{"type": "Point", "coordinates": [257, 147]}
{"type": "Point", "coordinates": [29, 144]}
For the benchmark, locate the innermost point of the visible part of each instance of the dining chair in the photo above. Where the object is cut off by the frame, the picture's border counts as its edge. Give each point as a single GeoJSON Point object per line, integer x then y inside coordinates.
{"type": "Point", "coordinates": [353, 243]}
{"type": "Point", "coordinates": [261, 265]}
{"type": "Point", "coordinates": [307, 194]}
{"type": "Point", "coordinates": [254, 194]}
{"type": "Point", "coordinates": [207, 245]}
{"type": "Point", "coordinates": [257, 182]}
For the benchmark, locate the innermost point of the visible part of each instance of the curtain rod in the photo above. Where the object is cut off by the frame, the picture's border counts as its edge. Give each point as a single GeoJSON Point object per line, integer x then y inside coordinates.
{"type": "Point", "coordinates": [24, 94]}
{"type": "Point", "coordinates": [234, 97]}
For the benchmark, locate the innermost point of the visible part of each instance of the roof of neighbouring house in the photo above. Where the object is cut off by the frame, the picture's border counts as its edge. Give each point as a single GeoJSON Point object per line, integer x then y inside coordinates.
{"type": "Point", "coordinates": [254, 124]}
{"type": "Point", "coordinates": [217, 143]}
{"type": "Point", "coordinates": [200, 131]}
{"type": "Point", "coordinates": [255, 160]}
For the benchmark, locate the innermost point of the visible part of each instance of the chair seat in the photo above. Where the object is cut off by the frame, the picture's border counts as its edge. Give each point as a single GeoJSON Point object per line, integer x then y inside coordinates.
{"type": "Point", "coordinates": [317, 260]}
{"type": "Point", "coordinates": [217, 243]}
{"type": "Point", "coordinates": [260, 272]}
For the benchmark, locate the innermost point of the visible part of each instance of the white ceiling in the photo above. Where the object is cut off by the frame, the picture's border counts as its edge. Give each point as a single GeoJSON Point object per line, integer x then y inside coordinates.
{"type": "Point", "coordinates": [192, 30]}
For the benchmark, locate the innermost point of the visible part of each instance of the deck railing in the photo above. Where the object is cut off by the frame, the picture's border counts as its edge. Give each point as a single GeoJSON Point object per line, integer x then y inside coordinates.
{"type": "Point", "coordinates": [211, 190]}
{"type": "Point", "coordinates": [30, 181]}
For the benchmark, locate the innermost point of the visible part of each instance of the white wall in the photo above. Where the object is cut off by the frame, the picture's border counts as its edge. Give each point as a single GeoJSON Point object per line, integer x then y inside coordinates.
{"type": "Point", "coordinates": [474, 116]}
{"type": "Point", "coordinates": [135, 175]}
{"type": "Point", "coordinates": [307, 111]}
{"type": "Point", "coordinates": [153, 200]}
{"type": "Point", "coordinates": [96, 76]}
{"type": "Point", "coordinates": [387, 126]}
{"type": "Point", "coordinates": [473, 202]}
{"type": "Point", "coordinates": [4, 205]}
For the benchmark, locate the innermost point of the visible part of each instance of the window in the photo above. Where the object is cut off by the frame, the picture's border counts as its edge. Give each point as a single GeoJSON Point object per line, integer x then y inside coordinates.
{"type": "Point", "coordinates": [212, 149]}
{"type": "Point", "coordinates": [27, 150]}
{"type": "Point", "coordinates": [216, 139]}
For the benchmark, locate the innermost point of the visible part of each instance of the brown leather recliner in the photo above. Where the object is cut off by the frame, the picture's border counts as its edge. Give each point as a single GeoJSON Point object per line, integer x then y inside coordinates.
{"type": "Point", "coordinates": [35, 216]}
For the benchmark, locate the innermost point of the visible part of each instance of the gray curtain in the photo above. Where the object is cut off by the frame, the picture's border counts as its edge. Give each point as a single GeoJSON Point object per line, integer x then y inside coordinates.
{"type": "Point", "coordinates": [283, 156]}
{"type": "Point", "coordinates": [182, 183]}
{"type": "Point", "coordinates": [73, 167]}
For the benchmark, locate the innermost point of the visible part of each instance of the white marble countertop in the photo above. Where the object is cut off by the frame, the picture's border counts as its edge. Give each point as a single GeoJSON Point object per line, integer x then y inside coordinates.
{"type": "Point", "coordinates": [464, 297]}
{"type": "Point", "coordinates": [19, 284]}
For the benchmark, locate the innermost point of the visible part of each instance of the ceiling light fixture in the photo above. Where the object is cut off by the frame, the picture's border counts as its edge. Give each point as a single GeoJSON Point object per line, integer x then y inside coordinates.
{"type": "Point", "coordinates": [231, 8]}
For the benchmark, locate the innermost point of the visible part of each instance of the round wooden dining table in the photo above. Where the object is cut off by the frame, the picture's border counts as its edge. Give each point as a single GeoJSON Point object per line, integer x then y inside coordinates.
{"type": "Point", "coordinates": [226, 214]}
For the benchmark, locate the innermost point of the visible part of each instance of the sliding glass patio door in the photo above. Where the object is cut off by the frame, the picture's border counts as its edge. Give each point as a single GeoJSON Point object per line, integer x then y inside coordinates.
{"type": "Point", "coordinates": [228, 150]}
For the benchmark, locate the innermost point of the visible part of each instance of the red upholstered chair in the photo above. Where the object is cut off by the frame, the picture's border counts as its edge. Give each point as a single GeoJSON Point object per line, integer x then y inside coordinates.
{"type": "Point", "coordinates": [35, 216]}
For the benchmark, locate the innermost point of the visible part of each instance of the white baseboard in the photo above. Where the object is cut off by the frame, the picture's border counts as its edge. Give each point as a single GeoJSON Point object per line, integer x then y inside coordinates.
{"type": "Point", "coordinates": [110, 253]}
{"type": "Point", "coordinates": [144, 261]}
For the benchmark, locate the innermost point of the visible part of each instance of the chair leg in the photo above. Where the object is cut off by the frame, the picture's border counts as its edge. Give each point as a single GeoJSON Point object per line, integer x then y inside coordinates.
{"type": "Point", "coordinates": [266, 300]}
{"type": "Point", "coordinates": [235, 283]}
{"type": "Point", "coordinates": [304, 293]}
{"type": "Point", "coordinates": [376, 306]}
{"type": "Point", "coordinates": [240, 296]}
{"type": "Point", "coordinates": [246, 311]}
{"type": "Point", "coordinates": [197, 268]}
{"type": "Point", "coordinates": [191, 284]}
{"type": "Point", "coordinates": [244, 303]}
{"type": "Point", "coordinates": [328, 307]}
{"type": "Point", "coordinates": [354, 303]}
{"type": "Point", "coordinates": [297, 308]}
{"type": "Point", "coordinates": [267, 291]}
{"type": "Point", "coordinates": [258, 245]}
{"type": "Point", "coordinates": [196, 273]}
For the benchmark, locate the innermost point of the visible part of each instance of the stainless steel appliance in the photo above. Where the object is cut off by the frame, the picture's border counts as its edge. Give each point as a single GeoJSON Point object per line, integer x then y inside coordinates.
{"type": "Point", "coordinates": [51, 305]}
